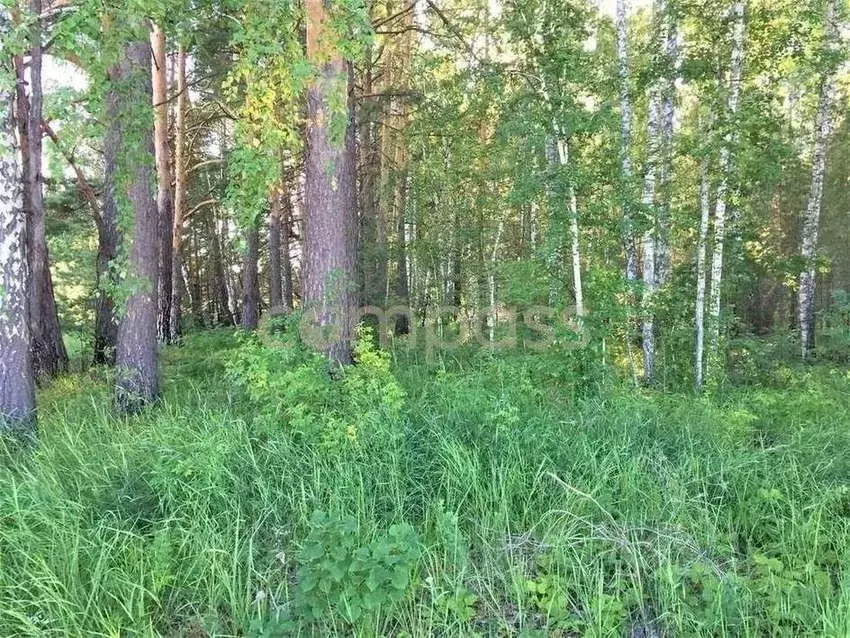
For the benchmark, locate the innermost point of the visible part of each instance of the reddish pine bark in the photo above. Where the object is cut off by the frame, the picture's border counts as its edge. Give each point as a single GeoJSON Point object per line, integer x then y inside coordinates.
{"type": "Point", "coordinates": [329, 218]}
{"type": "Point", "coordinates": [137, 383]}
{"type": "Point", "coordinates": [164, 196]}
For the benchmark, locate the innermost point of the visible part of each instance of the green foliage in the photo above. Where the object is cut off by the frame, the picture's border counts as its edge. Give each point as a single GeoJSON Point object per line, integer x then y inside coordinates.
{"type": "Point", "coordinates": [294, 387]}
{"type": "Point", "coordinates": [337, 575]}
{"type": "Point", "coordinates": [493, 499]}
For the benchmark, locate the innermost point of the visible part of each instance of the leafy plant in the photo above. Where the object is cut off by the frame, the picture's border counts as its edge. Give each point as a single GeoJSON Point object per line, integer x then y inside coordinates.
{"type": "Point", "coordinates": [339, 575]}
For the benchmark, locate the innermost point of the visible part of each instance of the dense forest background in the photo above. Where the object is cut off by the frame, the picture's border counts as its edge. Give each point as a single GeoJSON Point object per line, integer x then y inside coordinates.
{"type": "Point", "coordinates": [460, 317]}
{"type": "Point", "coordinates": [670, 171]}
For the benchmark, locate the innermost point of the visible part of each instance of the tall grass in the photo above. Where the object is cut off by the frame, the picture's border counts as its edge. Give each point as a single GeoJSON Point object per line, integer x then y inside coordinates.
{"type": "Point", "coordinates": [542, 507]}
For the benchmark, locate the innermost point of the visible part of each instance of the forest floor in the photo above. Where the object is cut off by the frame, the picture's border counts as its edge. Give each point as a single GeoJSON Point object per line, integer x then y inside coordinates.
{"type": "Point", "coordinates": [467, 495]}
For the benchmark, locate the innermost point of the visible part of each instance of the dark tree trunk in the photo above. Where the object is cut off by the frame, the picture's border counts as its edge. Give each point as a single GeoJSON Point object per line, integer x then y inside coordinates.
{"type": "Point", "coordinates": [164, 200]}
{"type": "Point", "coordinates": [192, 279]}
{"type": "Point", "coordinates": [49, 354]}
{"type": "Point", "coordinates": [250, 281]}
{"type": "Point", "coordinates": [329, 277]}
{"type": "Point", "coordinates": [219, 280]}
{"type": "Point", "coordinates": [108, 237]}
{"type": "Point", "coordinates": [17, 387]}
{"type": "Point", "coordinates": [402, 291]}
{"type": "Point", "coordinates": [137, 384]}
{"type": "Point", "coordinates": [275, 273]}
{"type": "Point", "coordinates": [372, 251]}
{"type": "Point", "coordinates": [286, 259]}
{"type": "Point", "coordinates": [179, 191]}
{"type": "Point", "coordinates": [457, 275]}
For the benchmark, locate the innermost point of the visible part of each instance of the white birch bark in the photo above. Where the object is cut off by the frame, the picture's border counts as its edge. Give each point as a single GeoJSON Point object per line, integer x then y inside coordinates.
{"type": "Point", "coordinates": [558, 152]}
{"type": "Point", "coordinates": [648, 254]}
{"type": "Point", "coordinates": [17, 387]}
{"type": "Point", "coordinates": [625, 135]}
{"type": "Point", "coordinates": [699, 310]}
{"type": "Point", "coordinates": [575, 246]}
{"type": "Point", "coordinates": [737, 63]}
{"type": "Point", "coordinates": [812, 215]}
{"type": "Point", "coordinates": [555, 233]}
{"type": "Point", "coordinates": [492, 317]}
{"type": "Point", "coordinates": [668, 110]}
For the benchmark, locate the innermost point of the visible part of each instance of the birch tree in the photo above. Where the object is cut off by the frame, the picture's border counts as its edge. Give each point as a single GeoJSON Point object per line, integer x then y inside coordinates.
{"type": "Point", "coordinates": [17, 388]}
{"type": "Point", "coordinates": [625, 136]}
{"type": "Point", "coordinates": [669, 37]}
{"type": "Point", "coordinates": [725, 167]}
{"type": "Point", "coordinates": [648, 254]}
{"type": "Point", "coordinates": [811, 218]}
{"type": "Point", "coordinates": [575, 246]}
{"type": "Point", "coordinates": [702, 239]}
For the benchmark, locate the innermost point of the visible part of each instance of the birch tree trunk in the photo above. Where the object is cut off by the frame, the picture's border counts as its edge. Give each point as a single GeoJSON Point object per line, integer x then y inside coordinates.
{"type": "Point", "coordinates": [699, 311]}
{"type": "Point", "coordinates": [806, 296]}
{"type": "Point", "coordinates": [555, 230]}
{"type": "Point", "coordinates": [17, 386]}
{"type": "Point", "coordinates": [575, 246]}
{"type": "Point", "coordinates": [137, 383]}
{"type": "Point", "coordinates": [668, 111]}
{"type": "Point", "coordinates": [492, 318]}
{"type": "Point", "coordinates": [648, 201]}
{"type": "Point", "coordinates": [626, 164]}
{"type": "Point", "coordinates": [164, 196]}
{"type": "Point", "coordinates": [625, 137]}
{"type": "Point", "coordinates": [725, 160]}
{"type": "Point", "coordinates": [179, 192]}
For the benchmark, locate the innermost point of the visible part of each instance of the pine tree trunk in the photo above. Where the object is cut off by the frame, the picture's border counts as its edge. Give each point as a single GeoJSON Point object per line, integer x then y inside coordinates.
{"type": "Point", "coordinates": [17, 386]}
{"type": "Point", "coordinates": [49, 354]}
{"type": "Point", "coordinates": [179, 192]}
{"type": "Point", "coordinates": [164, 197]}
{"type": "Point", "coordinates": [725, 161]}
{"type": "Point", "coordinates": [806, 296]}
{"type": "Point", "coordinates": [330, 206]}
{"type": "Point", "coordinates": [250, 281]}
{"type": "Point", "coordinates": [108, 238]}
{"type": "Point", "coordinates": [137, 384]}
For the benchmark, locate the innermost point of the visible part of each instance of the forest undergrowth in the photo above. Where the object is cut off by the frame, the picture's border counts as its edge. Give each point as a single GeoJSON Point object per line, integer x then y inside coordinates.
{"type": "Point", "coordinates": [464, 494]}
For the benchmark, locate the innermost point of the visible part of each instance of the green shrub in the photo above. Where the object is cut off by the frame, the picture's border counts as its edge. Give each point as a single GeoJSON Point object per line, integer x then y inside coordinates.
{"type": "Point", "coordinates": [339, 575]}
